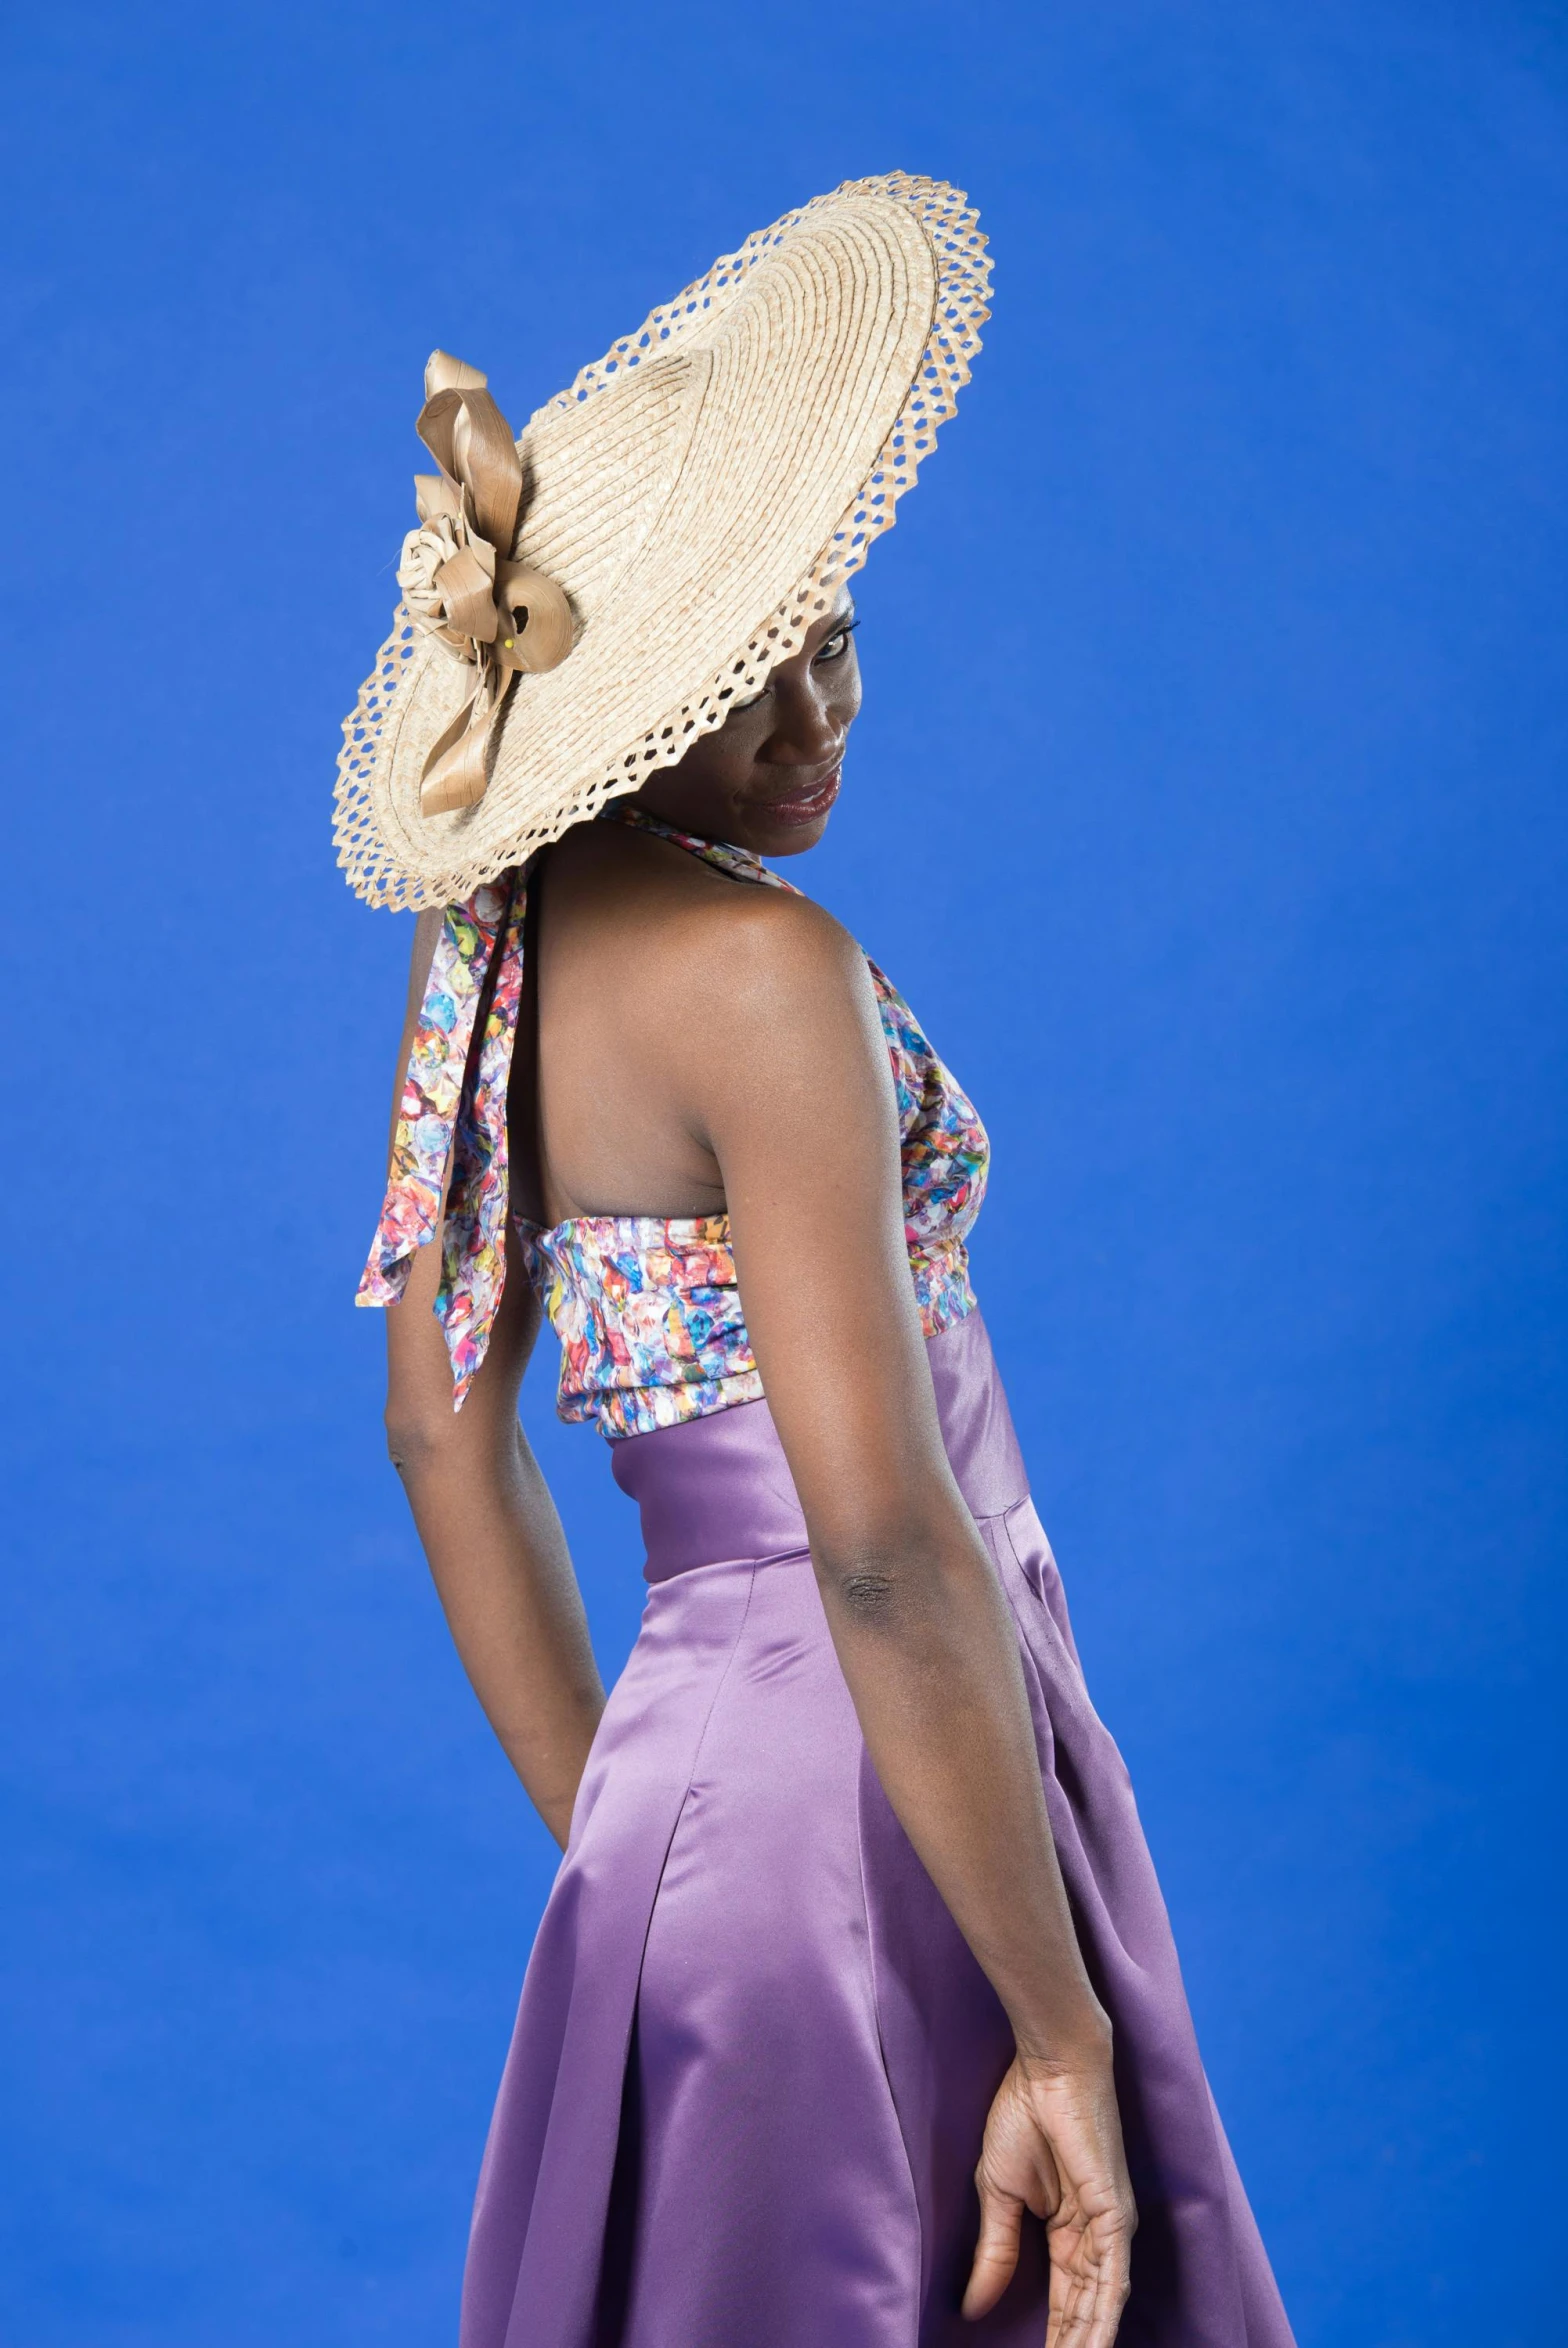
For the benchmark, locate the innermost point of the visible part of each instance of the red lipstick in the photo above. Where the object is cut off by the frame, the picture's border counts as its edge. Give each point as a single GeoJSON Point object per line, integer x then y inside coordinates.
{"type": "Point", "coordinates": [808, 805]}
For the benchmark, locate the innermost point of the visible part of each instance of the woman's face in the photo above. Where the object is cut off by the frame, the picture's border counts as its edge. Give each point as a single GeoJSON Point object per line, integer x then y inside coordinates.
{"type": "Point", "coordinates": [767, 778]}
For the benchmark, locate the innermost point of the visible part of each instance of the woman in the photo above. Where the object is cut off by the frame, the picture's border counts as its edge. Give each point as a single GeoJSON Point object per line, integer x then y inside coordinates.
{"type": "Point", "coordinates": [853, 2019]}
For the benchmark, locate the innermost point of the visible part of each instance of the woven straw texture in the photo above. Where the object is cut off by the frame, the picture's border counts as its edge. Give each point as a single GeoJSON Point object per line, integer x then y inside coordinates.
{"type": "Point", "coordinates": [700, 493]}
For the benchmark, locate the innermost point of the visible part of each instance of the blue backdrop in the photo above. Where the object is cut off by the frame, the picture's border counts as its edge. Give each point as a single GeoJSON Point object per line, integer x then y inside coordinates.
{"type": "Point", "coordinates": [1234, 894]}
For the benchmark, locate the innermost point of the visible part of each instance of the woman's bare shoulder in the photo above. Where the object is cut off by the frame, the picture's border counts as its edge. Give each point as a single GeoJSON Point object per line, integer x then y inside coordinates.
{"type": "Point", "coordinates": [683, 932]}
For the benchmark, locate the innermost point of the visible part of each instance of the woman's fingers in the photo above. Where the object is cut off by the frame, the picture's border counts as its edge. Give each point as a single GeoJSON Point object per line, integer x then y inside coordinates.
{"type": "Point", "coordinates": [1089, 2279]}
{"type": "Point", "coordinates": [1016, 2173]}
{"type": "Point", "coordinates": [1089, 2269]}
{"type": "Point", "coordinates": [996, 2252]}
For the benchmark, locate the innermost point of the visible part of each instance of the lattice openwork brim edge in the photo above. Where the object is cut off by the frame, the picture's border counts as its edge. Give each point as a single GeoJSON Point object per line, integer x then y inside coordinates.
{"type": "Point", "coordinates": [383, 876]}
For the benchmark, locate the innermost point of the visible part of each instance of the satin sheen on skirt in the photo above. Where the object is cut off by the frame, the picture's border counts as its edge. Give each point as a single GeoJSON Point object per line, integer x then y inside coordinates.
{"type": "Point", "coordinates": [754, 2055]}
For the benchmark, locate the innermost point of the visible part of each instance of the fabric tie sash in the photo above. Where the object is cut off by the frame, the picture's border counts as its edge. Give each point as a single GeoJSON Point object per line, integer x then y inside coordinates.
{"type": "Point", "coordinates": [453, 1107]}
{"type": "Point", "coordinates": [459, 580]}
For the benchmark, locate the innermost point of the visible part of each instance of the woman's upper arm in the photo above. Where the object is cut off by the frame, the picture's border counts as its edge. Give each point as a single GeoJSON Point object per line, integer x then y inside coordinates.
{"type": "Point", "coordinates": [795, 1095]}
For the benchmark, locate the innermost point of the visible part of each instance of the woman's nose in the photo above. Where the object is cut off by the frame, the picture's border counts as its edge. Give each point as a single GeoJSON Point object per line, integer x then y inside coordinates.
{"type": "Point", "coordinates": [806, 727]}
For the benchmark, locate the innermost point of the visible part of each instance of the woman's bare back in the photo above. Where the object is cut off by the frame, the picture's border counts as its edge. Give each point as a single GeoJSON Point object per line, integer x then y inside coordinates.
{"type": "Point", "coordinates": [638, 956]}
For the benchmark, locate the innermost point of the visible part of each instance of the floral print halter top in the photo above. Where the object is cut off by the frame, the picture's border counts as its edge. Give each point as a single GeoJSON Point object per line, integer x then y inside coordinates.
{"type": "Point", "coordinates": [646, 1307]}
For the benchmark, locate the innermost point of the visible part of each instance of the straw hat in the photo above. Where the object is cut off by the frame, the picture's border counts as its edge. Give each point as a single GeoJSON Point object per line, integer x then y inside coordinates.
{"type": "Point", "coordinates": [579, 605]}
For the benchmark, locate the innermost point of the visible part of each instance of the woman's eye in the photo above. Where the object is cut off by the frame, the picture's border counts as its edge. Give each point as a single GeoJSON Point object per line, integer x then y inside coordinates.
{"type": "Point", "coordinates": [833, 649]}
{"type": "Point", "coordinates": [837, 644]}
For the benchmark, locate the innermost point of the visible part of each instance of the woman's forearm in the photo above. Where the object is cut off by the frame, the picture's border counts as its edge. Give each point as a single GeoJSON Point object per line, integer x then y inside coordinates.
{"type": "Point", "coordinates": [501, 1567]}
{"type": "Point", "coordinates": [493, 1539]}
{"type": "Point", "coordinates": [930, 1655]}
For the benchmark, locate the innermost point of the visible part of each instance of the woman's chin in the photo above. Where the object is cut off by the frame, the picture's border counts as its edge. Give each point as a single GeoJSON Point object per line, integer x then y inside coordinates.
{"type": "Point", "coordinates": [790, 840]}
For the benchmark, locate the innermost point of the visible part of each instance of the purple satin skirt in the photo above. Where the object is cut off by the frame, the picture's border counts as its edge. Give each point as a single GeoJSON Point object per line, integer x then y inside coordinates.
{"type": "Point", "coordinates": [754, 2055]}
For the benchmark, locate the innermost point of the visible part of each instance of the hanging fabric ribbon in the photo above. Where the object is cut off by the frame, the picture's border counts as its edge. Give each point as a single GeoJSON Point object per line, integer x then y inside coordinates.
{"type": "Point", "coordinates": [454, 1106]}
{"type": "Point", "coordinates": [459, 580]}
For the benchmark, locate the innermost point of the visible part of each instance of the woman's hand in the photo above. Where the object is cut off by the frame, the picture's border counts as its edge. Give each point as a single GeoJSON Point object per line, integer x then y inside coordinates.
{"type": "Point", "coordinates": [1053, 2145]}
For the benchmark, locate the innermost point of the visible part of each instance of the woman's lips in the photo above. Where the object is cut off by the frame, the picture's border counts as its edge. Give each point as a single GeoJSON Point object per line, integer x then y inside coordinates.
{"type": "Point", "coordinates": [807, 806]}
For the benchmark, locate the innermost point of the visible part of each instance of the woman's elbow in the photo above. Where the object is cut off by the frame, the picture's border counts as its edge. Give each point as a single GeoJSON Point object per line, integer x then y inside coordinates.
{"type": "Point", "coordinates": [876, 1579]}
{"type": "Point", "coordinates": [419, 1435]}
{"type": "Point", "coordinates": [869, 1592]}
{"type": "Point", "coordinates": [901, 1569]}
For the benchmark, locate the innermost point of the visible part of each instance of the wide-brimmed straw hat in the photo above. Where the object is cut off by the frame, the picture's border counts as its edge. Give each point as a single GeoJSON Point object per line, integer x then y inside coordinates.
{"type": "Point", "coordinates": [582, 603]}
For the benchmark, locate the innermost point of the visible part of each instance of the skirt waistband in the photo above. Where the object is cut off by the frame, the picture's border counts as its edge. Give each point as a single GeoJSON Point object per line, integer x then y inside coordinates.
{"type": "Point", "coordinates": [719, 1487]}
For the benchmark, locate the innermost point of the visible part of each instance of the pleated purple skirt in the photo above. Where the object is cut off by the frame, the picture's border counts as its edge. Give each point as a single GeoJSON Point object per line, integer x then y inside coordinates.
{"type": "Point", "coordinates": [754, 2055]}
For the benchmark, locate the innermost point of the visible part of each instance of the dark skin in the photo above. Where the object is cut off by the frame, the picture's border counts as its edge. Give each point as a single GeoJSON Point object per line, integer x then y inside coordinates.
{"type": "Point", "coordinates": [707, 1047]}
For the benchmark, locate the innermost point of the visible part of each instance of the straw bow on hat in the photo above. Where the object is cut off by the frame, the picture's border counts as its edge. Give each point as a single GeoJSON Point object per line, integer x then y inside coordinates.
{"type": "Point", "coordinates": [458, 581]}
{"type": "Point", "coordinates": [581, 603]}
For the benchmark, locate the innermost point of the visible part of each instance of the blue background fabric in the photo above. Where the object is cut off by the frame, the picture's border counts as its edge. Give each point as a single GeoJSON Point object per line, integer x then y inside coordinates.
{"type": "Point", "coordinates": [1207, 804]}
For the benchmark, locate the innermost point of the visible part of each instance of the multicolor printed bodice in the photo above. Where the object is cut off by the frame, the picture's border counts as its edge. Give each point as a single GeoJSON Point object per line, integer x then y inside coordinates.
{"type": "Point", "coordinates": [647, 1308]}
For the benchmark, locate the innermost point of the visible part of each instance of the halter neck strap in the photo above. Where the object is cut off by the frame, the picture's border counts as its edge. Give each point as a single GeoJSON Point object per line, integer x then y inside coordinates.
{"type": "Point", "coordinates": [740, 863]}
